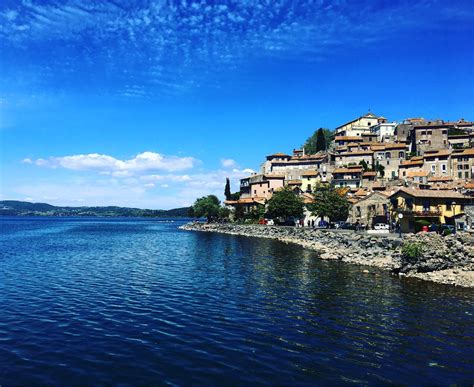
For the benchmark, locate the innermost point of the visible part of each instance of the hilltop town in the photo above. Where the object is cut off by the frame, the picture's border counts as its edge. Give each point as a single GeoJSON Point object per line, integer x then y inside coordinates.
{"type": "Point", "coordinates": [414, 172]}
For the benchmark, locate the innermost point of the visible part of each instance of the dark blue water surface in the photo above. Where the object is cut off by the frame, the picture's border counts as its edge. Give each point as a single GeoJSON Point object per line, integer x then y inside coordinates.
{"type": "Point", "coordinates": [87, 301]}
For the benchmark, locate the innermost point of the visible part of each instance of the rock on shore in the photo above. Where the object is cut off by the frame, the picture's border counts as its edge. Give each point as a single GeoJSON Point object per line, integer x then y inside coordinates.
{"type": "Point", "coordinates": [448, 260]}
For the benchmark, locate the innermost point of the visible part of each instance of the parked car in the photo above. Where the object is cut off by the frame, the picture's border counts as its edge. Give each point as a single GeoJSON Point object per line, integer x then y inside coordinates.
{"type": "Point", "coordinates": [323, 224]}
{"type": "Point", "coordinates": [270, 222]}
{"type": "Point", "coordinates": [381, 226]}
{"type": "Point", "coordinates": [347, 226]}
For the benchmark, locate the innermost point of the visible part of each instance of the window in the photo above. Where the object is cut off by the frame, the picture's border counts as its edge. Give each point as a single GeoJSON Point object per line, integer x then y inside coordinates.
{"type": "Point", "coordinates": [429, 132]}
{"type": "Point", "coordinates": [401, 155]}
{"type": "Point", "coordinates": [388, 155]}
{"type": "Point", "coordinates": [426, 205]}
{"type": "Point", "coordinates": [433, 168]}
{"type": "Point", "coordinates": [444, 132]}
{"type": "Point", "coordinates": [254, 191]}
{"type": "Point", "coordinates": [466, 175]}
{"type": "Point", "coordinates": [358, 212]}
{"type": "Point", "coordinates": [448, 207]}
{"type": "Point", "coordinates": [423, 133]}
{"type": "Point", "coordinates": [409, 203]}
{"type": "Point", "coordinates": [460, 175]}
{"type": "Point", "coordinates": [443, 168]}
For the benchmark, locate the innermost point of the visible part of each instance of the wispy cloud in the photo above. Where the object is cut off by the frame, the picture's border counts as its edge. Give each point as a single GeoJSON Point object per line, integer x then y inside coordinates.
{"type": "Point", "coordinates": [179, 45]}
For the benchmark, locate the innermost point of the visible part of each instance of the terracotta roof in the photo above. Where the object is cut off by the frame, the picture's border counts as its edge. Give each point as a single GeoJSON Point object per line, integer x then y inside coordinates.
{"type": "Point", "coordinates": [389, 146]}
{"type": "Point", "coordinates": [417, 174]}
{"type": "Point", "coordinates": [435, 179]}
{"type": "Point", "coordinates": [410, 163]}
{"type": "Point", "coordinates": [258, 200]}
{"type": "Point", "coordinates": [293, 182]}
{"type": "Point", "coordinates": [361, 192]}
{"type": "Point", "coordinates": [428, 193]}
{"type": "Point", "coordinates": [439, 153]}
{"type": "Point", "coordinates": [369, 173]}
{"type": "Point", "coordinates": [310, 173]}
{"type": "Point", "coordinates": [347, 170]}
{"type": "Point", "coordinates": [342, 191]}
{"type": "Point", "coordinates": [347, 138]}
{"type": "Point", "coordinates": [279, 155]}
{"type": "Point", "coordinates": [465, 152]}
{"type": "Point", "coordinates": [357, 153]}
{"type": "Point", "coordinates": [469, 185]}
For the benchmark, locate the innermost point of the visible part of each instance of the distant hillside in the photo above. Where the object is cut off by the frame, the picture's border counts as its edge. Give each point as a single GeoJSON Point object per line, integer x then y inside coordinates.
{"type": "Point", "coordinates": [18, 208]}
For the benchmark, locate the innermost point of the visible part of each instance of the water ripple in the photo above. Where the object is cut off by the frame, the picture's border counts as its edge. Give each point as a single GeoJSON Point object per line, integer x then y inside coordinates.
{"type": "Point", "coordinates": [139, 302]}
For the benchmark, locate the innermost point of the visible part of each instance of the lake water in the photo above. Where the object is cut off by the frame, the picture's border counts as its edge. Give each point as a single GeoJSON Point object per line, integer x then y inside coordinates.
{"type": "Point", "coordinates": [95, 301]}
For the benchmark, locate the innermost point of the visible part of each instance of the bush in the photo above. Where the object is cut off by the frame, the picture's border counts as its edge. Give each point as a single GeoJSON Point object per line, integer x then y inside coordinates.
{"type": "Point", "coordinates": [412, 250]}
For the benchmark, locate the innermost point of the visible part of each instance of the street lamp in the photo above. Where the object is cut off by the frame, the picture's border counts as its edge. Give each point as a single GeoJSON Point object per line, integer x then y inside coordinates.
{"type": "Point", "coordinates": [400, 217]}
{"type": "Point", "coordinates": [454, 214]}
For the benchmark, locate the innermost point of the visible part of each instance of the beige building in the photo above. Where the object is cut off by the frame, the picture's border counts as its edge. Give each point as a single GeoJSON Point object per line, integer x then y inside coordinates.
{"type": "Point", "coordinates": [462, 164]}
{"type": "Point", "coordinates": [347, 177]}
{"type": "Point", "coordinates": [390, 156]}
{"type": "Point", "coordinates": [437, 163]}
{"type": "Point", "coordinates": [415, 164]}
{"type": "Point", "coordinates": [358, 126]}
{"type": "Point", "coordinates": [354, 158]}
{"type": "Point", "coordinates": [293, 166]}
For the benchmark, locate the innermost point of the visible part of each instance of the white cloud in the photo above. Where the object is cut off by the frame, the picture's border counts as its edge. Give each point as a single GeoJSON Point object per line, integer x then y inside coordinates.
{"type": "Point", "coordinates": [27, 161]}
{"type": "Point", "coordinates": [145, 161]}
{"type": "Point", "coordinates": [228, 163]}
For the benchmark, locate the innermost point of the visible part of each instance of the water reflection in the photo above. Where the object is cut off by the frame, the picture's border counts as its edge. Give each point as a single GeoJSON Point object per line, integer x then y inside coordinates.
{"type": "Point", "coordinates": [177, 307]}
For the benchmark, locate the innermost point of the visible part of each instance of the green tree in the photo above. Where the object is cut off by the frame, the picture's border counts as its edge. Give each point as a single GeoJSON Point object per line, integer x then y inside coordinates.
{"type": "Point", "coordinates": [315, 143]}
{"type": "Point", "coordinates": [227, 189]}
{"type": "Point", "coordinates": [320, 140]}
{"type": "Point", "coordinates": [207, 206]}
{"type": "Point", "coordinates": [224, 213]}
{"type": "Point", "coordinates": [285, 204]}
{"type": "Point", "coordinates": [364, 165]}
{"type": "Point", "coordinates": [380, 169]}
{"type": "Point", "coordinates": [328, 203]}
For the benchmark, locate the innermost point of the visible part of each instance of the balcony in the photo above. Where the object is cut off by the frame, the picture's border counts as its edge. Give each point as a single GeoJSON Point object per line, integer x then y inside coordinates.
{"type": "Point", "coordinates": [422, 213]}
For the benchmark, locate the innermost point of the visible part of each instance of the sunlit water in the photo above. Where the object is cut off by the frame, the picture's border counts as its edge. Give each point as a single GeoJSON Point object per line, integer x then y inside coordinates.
{"type": "Point", "coordinates": [139, 302]}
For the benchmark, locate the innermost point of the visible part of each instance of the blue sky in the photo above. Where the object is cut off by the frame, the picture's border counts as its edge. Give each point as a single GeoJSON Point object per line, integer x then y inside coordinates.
{"type": "Point", "coordinates": [153, 103]}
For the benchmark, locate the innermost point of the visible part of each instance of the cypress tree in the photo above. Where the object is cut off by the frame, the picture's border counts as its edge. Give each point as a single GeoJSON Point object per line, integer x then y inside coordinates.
{"type": "Point", "coordinates": [227, 192]}
{"type": "Point", "coordinates": [320, 140]}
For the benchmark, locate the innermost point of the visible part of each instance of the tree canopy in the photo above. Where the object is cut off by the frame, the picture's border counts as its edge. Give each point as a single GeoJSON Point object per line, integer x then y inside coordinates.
{"type": "Point", "coordinates": [329, 203]}
{"type": "Point", "coordinates": [285, 204]}
{"type": "Point", "coordinates": [207, 206]}
{"type": "Point", "coordinates": [227, 189]}
{"type": "Point", "coordinates": [318, 141]}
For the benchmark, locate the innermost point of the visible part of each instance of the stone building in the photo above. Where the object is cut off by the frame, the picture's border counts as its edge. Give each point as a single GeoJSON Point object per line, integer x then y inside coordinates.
{"type": "Point", "coordinates": [390, 156]}
{"type": "Point", "coordinates": [371, 209]}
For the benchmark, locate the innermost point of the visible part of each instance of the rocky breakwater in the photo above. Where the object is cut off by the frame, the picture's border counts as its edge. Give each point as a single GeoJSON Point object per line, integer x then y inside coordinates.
{"type": "Point", "coordinates": [426, 256]}
{"type": "Point", "coordinates": [432, 257]}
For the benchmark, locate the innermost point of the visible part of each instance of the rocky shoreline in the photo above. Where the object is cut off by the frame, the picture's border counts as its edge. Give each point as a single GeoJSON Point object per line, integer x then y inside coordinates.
{"type": "Point", "coordinates": [447, 260]}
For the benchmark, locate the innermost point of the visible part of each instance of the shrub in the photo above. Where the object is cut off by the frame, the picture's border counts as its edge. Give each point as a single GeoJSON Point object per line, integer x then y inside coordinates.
{"type": "Point", "coordinates": [412, 250]}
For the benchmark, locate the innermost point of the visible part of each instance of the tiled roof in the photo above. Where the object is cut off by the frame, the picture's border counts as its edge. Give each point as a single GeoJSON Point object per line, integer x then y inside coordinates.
{"type": "Point", "coordinates": [465, 152]}
{"type": "Point", "coordinates": [417, 174]}
{"type": "Point", "coordinates": [369, 173]}
{"type": "Point", "coordinates": [310, 173]}
{"type": "Point", "coordinates": [428, 193]}
{"type": "Point", "coordinates": [435, 179]}
{"type": "Point", "coordinates": [347, 170]}
{"type": "Point", "coordinates": [347, 138]}
{"type": "Point", "coordinates": [357, 153]}
{"type": "Point", "coordinates": [293, 182]}
{"type": "Point", "coordinates": [439, 153]}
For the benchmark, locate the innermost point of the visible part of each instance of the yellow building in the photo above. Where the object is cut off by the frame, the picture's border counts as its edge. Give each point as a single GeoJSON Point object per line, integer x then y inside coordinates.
{"type": "Point", "coordinates": [309, 179]}
{"type": "Point", "coordinates": [434, 206]}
